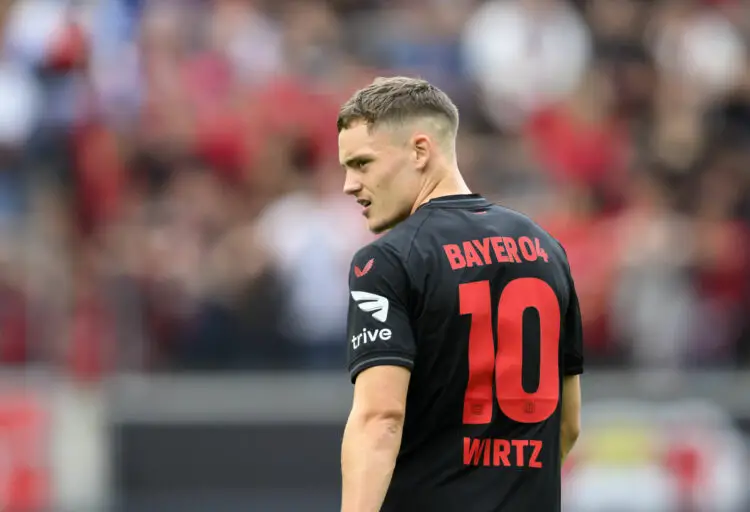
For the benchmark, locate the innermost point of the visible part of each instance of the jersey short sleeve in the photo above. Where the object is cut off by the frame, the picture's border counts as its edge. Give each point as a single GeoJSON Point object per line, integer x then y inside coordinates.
{"type": "Point", "coordinates": [573, 340]}
{"type": "Point", "coordinates": [378, 323]}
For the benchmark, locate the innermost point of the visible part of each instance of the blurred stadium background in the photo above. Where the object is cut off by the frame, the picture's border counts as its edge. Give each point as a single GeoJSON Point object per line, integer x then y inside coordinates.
{"type": "Point", "coordinates": [174, 244]}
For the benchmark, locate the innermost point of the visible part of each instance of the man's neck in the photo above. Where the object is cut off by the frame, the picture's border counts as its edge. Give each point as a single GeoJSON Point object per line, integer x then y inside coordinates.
{"type": "Point", "coordinates": [452, 183]}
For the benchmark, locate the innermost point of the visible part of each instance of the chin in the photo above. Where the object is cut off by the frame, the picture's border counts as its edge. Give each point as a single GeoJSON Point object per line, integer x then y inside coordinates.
{"type": "Point", "coordinates": [379, 226]}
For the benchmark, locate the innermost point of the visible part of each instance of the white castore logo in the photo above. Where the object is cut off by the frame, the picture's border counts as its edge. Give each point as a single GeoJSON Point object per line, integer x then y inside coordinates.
{"type": "Point", "coordinates": [372, 303]}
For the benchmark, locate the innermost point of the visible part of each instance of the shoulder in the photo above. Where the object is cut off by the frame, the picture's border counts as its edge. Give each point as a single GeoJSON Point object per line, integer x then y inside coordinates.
{"type": "Point", "coordinates": [379, 259]}
{"type": "Point", "coordinates": [397, 242]}
{"type": "Point", "coordinates": [526, 223]}
{"type": "Point", "coordinates": [520, 219]}
{"type": "Point", "coordinates": [388, 255]}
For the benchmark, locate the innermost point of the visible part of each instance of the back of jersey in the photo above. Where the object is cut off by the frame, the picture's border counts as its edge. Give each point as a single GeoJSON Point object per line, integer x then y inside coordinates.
{"type": "Point", "coordinates": [495, 327]}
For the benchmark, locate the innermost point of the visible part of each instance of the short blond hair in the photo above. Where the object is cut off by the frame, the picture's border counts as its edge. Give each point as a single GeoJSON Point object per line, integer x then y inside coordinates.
{"type": "Point", "coordinates": [397, 100]}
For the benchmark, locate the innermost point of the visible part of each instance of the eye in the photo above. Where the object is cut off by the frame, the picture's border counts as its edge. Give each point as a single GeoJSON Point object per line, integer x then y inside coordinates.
{"type": "Point", "coordinates": [360, 164]}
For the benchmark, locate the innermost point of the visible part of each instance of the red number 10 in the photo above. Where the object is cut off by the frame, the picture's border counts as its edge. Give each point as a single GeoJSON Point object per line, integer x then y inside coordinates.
{"type": "Point", "coordinates": [506, 362]}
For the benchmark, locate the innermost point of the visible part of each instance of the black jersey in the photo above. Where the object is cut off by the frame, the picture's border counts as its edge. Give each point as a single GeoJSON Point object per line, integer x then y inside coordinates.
{"type": "Point", "coordinates": [478, 302]}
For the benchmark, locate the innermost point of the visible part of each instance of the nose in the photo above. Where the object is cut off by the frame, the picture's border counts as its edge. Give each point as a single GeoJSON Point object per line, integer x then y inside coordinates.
{"type": "Point", "coordinates": [352, 185]}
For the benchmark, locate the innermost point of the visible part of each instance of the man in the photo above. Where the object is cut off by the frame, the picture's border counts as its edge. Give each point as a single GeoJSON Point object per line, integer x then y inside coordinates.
{"type": "Point", "coordinates": [464, 326]}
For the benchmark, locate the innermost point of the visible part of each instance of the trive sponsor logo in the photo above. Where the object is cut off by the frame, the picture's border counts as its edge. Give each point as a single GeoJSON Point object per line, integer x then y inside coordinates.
{"type": "Point", "coordinates": [370, 336]}
{"type": "Point", "coordinates": [519, 453]}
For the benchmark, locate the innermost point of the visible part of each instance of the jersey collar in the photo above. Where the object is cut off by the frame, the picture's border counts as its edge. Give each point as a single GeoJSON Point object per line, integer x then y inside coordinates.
{"type": "Point", "coordinates": [456, 201]}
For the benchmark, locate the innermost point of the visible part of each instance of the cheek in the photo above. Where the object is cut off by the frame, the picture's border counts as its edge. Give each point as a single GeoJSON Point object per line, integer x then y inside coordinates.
{"type": "Point", "coordinates": [398, 175]}
{"type": "Point", "coordinates": [382, 181]}
{"type": "Point", "coordinates": [391, 184]}
{"type": "Point", "coordinates": [404, 183]}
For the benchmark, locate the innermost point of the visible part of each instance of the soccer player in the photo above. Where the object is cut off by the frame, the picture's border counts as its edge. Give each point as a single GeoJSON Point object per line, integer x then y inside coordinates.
{"type": "Point", "coordinates": [464, 326]}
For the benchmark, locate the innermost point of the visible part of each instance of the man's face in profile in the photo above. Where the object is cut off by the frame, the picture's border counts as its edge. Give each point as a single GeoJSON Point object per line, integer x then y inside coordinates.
{"type": "Point", "coordinates": [380, 173]}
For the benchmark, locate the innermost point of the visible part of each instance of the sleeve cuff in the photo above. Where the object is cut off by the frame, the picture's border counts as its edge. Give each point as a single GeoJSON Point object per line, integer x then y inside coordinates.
{"type": "Point", "coordinates": [370, 361]}
{"type": "Point", "coordinates": [573, 370]}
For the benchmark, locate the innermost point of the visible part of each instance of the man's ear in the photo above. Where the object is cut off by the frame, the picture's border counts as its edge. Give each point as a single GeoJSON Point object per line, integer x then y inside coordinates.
{"type": "Point", "coordinates": [422, 147]}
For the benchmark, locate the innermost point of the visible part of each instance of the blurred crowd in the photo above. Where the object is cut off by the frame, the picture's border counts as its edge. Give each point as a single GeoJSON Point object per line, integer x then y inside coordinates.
{"type": "Point", "coordinates": [170, 195]}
